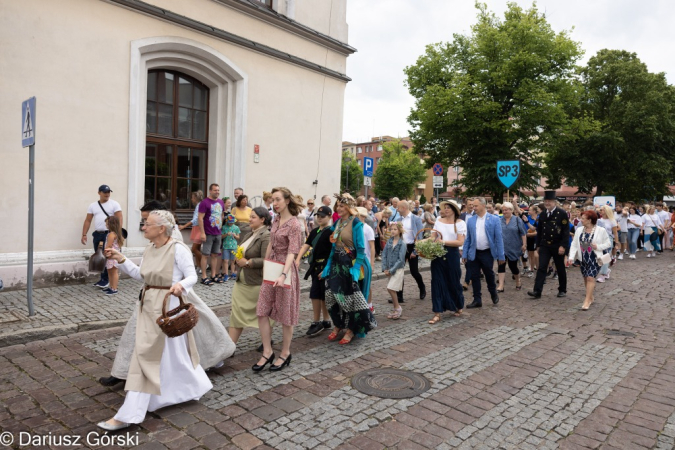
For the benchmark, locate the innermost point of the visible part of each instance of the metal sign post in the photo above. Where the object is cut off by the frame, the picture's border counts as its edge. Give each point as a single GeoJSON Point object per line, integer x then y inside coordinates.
{"type": "Point", "coordinates": [28, 140]}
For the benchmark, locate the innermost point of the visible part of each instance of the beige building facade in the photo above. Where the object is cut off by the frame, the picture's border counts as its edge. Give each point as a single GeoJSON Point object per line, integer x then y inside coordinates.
{"type": "Point", "coordinates": [157, 98]}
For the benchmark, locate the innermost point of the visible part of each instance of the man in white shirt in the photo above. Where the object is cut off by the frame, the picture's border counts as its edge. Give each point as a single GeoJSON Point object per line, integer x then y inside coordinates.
{"type": "Point", "coordinates": [622, 222]}
{"type": "Point", "coordinates": [99, 212]}
{"type": "Point", "coordinates": [411, 226]}
{"type": "Point", "coordinates": [483, 244]}
{"type": "Point", "coordinates": [665, 221]}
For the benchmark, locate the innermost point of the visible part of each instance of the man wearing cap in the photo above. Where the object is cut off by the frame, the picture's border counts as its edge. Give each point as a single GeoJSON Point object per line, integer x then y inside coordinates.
{"type": "Point", "coordinates": [319, 242]}
{"type": "Point", "coordinates": [552, 241]}
{"type": "Point", "coordinates": [99, 212]}
{"type": "Point", "coordinates": [483, 244]}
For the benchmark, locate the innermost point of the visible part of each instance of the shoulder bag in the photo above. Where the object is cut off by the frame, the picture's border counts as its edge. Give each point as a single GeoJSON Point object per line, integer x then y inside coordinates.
{"type": "Point", "coordinates": [124, 231]}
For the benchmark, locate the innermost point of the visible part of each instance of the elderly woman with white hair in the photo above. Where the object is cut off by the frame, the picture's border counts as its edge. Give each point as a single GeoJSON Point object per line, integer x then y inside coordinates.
{"type": "Point", "coordinates": [164, 371]}
{"type": "Point", "coordinates": [515, 244]}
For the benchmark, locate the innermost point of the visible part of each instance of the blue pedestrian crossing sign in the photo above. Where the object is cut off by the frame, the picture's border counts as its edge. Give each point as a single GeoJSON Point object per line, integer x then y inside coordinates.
{"type": "Point", "coordinates": [28, 122]}
{"type": "Point", "coordinates": [508, 172]}
{"type": "Point", "coordinates": [367, 167]}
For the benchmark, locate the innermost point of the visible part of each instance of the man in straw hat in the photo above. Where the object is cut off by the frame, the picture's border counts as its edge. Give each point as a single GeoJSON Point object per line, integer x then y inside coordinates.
{"type": "Point", "coordinates": [552, 241]}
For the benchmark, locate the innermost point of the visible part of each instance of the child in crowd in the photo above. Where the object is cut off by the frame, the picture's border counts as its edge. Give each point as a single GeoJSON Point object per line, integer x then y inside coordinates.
{"type": "Point", "coordinates": [393, 261]}
{"type": "Point", "coordinates": [230, 237]}
{"type": "Point", "coordinates": [114, 240]}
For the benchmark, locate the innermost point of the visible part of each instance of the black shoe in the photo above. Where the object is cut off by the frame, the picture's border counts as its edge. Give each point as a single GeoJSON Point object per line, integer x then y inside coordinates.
{"type": "Point", "coordinates": [423, 295]}
{"type": "Point", "coordinates": [327, 325]}
{"type": "Point", "coordinates": [257, 368]}
{"type": "Point", "coordinates": [465, 287]}
{"type": "Point", "coordinates": [474, 305]}
{"type": "Point", "coordinates": [315, 328]}
{"type": "Point", "coordinates": [495, 299]}
{"type": "Point", "coordinates": [110, 381]}
{"type": "Point", "coordinates": [287, 362]}
{"type": "Point", "coordinates": [260, 349]}
{"type": "Point", "coordinates": [534, 294]}
{"type": "Point", "coordinates": [562, 294]}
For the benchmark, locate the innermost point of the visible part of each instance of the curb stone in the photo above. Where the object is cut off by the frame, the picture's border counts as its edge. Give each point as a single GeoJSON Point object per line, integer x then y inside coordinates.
{"type": "Point", "coordinates": [42, 333]}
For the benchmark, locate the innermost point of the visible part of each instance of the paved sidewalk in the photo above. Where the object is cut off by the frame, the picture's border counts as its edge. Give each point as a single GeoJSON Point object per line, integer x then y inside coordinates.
{"type": "Point", "coordinates": [525, 374]}
{"type": "Point", "coordinates": [82, 307]}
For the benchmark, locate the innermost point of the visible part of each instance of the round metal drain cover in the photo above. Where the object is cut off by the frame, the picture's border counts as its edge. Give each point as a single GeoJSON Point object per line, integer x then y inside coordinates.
{"type": "Point", "coordinates": [390, 383]}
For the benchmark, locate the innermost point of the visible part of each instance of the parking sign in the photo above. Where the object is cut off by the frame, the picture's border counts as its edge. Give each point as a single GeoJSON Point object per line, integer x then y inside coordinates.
{"type": "Point", "coordinates": [367, 167]}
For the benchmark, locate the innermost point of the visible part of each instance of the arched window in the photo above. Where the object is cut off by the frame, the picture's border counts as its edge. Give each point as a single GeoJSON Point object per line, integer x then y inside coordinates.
{"type": "Point", "coordinates": [176, 150]}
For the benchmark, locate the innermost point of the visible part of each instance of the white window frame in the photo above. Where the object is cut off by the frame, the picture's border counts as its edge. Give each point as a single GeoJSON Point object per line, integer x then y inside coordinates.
{"type": "Point", "coordinates": [228, 86]}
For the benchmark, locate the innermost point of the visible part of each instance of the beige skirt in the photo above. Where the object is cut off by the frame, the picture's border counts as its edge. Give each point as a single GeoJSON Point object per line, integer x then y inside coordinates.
{"type": "Point", "coordinates": [244, 302]}
{"type": "Point", "coordinates": [396, 280]}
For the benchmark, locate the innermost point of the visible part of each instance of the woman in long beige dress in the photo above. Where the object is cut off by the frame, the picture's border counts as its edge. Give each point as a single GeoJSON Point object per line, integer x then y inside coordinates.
{"type": "Point", "coordinates": [247, 287]}
{"type": "Point", "coordinates": [164, 371]}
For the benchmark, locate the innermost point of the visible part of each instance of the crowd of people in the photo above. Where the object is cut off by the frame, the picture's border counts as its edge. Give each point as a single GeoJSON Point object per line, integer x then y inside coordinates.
{"type": "Point", "coordinates": [262, 249]}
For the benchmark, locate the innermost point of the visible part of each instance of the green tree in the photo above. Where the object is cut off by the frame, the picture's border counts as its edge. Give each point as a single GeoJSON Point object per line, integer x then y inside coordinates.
{"type": "Point", "coordinates": [627, 150]}
{"type": "Point", "coordinates": [352, 175]}
{"type": "Point", "coordinates": [496, 94]}
{"type": "Point", "coordinates": [398, 172]}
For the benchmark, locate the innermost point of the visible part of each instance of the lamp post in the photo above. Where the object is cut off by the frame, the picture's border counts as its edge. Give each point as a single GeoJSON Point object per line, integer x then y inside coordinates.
{"type": "Point", "coordinates": [347, 159]}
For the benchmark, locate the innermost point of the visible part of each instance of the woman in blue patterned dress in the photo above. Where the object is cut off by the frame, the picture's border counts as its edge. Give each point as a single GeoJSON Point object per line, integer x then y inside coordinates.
{"type": "Point", "coordinates": [588, 245]}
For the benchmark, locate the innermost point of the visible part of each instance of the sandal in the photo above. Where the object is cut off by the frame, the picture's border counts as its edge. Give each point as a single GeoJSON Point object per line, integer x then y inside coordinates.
{"type": "Point", "coordinates": [344, 340]}
{"type": "Point", "coordinates": [207, 281]}
{"type": "Point", "coordinates": [435, 320]}
{"type": "Point", "coordinates": [218, 279]}
{"type": "Point", "coordinates": [500, 290]}
{"type": "Point", "coordinates": [458, 313]}
{"type": "Point", "coordinates": [334, 335]}
{"type": "Point", "coordinates": [395, 314]}
{"type": "Point", "coordinates": [519, 287]}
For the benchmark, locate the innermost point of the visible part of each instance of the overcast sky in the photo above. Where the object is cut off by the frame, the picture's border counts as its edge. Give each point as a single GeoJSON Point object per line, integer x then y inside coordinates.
{"type": "Point", "coordinates": [391, 34]}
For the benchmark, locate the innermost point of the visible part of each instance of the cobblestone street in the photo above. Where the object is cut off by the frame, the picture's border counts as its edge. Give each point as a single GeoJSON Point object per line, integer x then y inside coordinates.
{"type": "Point", "coordinates": [525, 374]}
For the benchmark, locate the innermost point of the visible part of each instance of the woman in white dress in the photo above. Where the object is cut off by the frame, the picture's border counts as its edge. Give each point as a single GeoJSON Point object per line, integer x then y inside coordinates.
{"type": "Point", "coordinates": [446, 285]}
{"type": "Point", "coordinates": [164, 371]}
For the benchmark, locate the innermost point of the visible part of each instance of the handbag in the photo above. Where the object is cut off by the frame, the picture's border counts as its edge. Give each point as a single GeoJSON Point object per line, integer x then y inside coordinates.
{"type": "Point", "coordinates": [174, 324]}
{"type": "Point", "coordinates": [124, 231]}
{"type": "Point", "coordinates": [606, 258]}
{"type": "Point", "coordinates": [273, 270]}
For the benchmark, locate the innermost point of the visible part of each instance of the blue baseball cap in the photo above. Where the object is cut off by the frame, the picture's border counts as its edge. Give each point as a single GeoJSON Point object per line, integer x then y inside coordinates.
{"type": "Point", "coordinates": [104, 188]}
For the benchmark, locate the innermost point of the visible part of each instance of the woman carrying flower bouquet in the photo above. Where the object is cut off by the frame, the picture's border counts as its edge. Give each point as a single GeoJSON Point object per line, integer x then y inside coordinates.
{"type": "Point", "coordinates": [446, 285]}
{"type": "Point", "coordinates": [347, 275]}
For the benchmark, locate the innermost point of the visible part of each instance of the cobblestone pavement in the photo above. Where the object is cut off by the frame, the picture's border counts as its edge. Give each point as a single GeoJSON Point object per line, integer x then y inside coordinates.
{"type": "Point", "coordinates": [82, 307]}
{"type": "Point", "coordinates": [524, 374]}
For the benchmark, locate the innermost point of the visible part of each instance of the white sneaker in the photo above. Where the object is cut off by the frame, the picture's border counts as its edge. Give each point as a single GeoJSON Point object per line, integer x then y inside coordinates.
{"type": "Point", "coordinates": [625, 252]}
{"type": "Point", "coordinates": [649, 255]}
{"type": "Point", "coordinates": [632, 257]}
{"type": "Point", "coordinates": [607, 274]}
{"type": "Point", "coordinates": [620, 255]}
{"type": "Point", "coordinates": [600, 279]}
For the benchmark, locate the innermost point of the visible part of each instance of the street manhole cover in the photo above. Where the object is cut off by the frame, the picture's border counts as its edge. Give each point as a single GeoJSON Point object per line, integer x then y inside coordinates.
{"type": "Point", "coordinates": [619, 333]}
{"type": "Point", "coordinates": [390, 383]}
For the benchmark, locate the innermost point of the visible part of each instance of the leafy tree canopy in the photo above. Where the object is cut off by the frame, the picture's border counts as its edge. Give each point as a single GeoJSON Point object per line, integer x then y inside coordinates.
{"type": "Point", "coordinates": [626, 147]}
{"type": "Point", "coordinates": [498, 93]}
{"type": "Point", "coordinates": [351, 176]}
{"type": "Point", "coordinates": [399, 172]}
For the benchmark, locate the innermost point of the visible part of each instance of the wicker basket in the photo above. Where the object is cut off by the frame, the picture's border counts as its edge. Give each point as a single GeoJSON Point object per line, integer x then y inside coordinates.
{"type": "Point", "coordinates": [174, 324]}
{"type": "Point", "coordinates": [416, 239]}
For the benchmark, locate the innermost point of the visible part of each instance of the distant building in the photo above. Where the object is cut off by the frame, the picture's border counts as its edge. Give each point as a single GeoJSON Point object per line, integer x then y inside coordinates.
{"type": "Point", "coordinates": [374, 149]}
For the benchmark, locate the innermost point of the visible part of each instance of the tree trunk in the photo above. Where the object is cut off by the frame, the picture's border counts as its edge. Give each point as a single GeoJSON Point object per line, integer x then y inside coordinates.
{"type": "Point", "coordinates": [598, 191]}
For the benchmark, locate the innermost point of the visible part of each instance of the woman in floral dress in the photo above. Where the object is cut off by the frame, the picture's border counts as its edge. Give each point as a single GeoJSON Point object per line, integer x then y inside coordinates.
{"type": "Point", "coordinates": [347, 275]}
{"type": "Point", "coordinates": [588, 245]}
{"type": "Point", "coordinates": [277, 301]}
